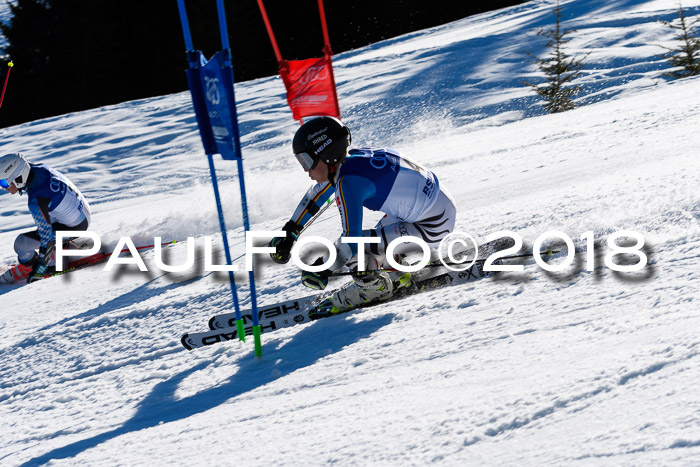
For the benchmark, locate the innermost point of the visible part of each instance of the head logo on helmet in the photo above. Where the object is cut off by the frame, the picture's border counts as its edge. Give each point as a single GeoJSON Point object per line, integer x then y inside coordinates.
{"type": "Point", "coordinates": [321, 138]}
{"type": "Point", "coordinates": [14, 168]}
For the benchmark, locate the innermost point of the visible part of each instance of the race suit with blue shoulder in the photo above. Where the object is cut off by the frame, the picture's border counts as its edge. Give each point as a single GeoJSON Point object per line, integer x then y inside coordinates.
{"type": "Point", "coordinates": [382, 180]}
{"type": "Point", "coordinates": [55, 204]}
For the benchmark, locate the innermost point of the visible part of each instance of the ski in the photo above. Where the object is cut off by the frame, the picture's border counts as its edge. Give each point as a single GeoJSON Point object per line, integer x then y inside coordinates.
{"type": "Point", "coordinates": [85, 262]}
{"type": "Point", "coordinates": [222, 328]}
{"type": "Point", "coordinates": [293, 312]}
{"type": "Point", "coordinates": [435, 268]}
{"type": "Point", "coordinates": [271, 318]}
{"type": "Point", "coordinates": [97, 258]}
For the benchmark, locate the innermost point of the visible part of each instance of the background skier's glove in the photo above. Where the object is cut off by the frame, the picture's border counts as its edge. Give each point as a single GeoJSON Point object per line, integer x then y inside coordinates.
{"type": "Point", "coordinates": [283, 245]}
{"type": "Point", "coordinates": [316, 280]}
{"type": "Point", "coordinates": [41, 262]}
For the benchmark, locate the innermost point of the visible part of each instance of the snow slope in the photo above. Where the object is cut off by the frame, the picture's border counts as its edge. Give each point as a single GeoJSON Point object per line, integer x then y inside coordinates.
{"type": "Point", "coordinates": [579, 367]}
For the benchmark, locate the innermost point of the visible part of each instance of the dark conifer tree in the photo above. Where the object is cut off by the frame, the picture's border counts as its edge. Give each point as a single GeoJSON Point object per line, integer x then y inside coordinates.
{"type": "Point", "coordinates": [686, 57]}
{"type": "Point", "coordinates": [559, 69]}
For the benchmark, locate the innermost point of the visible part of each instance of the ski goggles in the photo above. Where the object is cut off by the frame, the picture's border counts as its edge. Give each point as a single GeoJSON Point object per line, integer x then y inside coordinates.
{"type": "Point", "coordinates": [7, 181]}
{"type": "Point", "coordinates": [307, 162]}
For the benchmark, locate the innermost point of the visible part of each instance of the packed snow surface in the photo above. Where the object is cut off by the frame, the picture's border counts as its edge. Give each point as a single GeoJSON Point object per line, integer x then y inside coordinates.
{"type": "Point", "coordinates": [530, 368]}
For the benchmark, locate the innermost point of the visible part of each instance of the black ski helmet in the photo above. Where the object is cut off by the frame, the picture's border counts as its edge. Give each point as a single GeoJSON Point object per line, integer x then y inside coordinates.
{"type": "Point", "coordinates": [321, 138]}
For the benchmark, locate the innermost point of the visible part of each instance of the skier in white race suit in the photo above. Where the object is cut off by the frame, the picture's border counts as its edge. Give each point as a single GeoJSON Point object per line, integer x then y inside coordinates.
{"type": "Point", "coordinates": [378, 179]}
{"type": "Point", "coordinates": [55, 205]}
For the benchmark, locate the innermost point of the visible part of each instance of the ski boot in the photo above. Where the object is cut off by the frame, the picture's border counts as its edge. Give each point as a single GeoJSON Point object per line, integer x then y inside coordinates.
{"type": "Point", "coordinates": [324, 309]}
{"type": "Point", "coordinates": [16, 273]}
{"type": "Point", "coordinates": [366, 288]}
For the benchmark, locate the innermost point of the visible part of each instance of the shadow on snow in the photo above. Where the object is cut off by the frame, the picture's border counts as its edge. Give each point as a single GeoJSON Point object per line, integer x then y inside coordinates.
{"type": "Point", "coordinates": [310, 345]}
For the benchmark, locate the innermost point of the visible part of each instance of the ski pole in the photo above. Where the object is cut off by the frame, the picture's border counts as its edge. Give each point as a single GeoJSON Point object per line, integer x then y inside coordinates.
{"type": "Point", "coordinates": [7, 77]}
{"type": "Point", "coordinates": [318, 214]}
{"type": "Point", "coordinates": [311, 221]}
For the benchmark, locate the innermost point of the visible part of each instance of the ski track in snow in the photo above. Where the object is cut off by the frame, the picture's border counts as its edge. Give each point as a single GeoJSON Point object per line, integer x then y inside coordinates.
{"type": "Point", "coordinates": [531, 368]}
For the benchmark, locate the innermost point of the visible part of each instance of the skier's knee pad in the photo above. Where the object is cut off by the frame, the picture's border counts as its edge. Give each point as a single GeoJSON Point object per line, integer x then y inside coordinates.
{"type": "Point", "coordinates": [25, 247]}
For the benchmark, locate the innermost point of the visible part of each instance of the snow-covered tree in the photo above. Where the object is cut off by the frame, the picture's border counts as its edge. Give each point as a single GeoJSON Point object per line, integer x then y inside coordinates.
{"type": "Point", "coordinates": [559, 68]}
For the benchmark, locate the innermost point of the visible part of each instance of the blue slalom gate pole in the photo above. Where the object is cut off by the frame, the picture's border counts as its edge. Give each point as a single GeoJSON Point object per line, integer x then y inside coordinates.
{"type": "Point", "coordinates": [213, 98]}
{"type": "Point", "coordinates": [185, 26]}
{"type": "Point", "coordinates": [223, 29]}
{"type": "Point", "coordinates": [227, 251]}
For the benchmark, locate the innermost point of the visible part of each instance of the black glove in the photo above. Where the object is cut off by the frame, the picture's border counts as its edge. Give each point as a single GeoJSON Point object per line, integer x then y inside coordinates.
{"type": "Point", "coordinates": [316, 280]}
{"type": "Point", "coordinates": [283, 245]}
